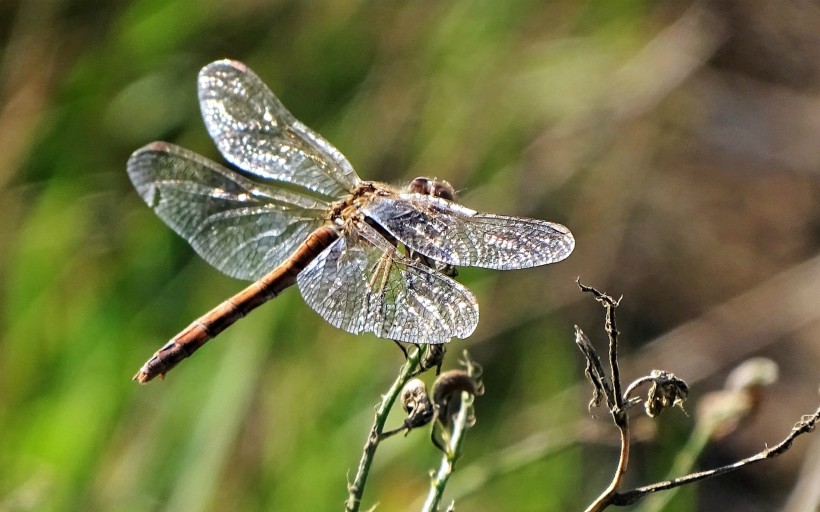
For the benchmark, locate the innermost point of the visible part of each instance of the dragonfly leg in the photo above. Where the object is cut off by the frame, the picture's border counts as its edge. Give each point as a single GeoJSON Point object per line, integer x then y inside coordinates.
{"type": "Point", "coordinates": [401, 347]}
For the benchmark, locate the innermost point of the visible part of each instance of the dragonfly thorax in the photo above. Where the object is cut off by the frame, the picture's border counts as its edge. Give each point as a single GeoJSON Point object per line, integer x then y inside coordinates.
{"type": "Point", "coordinates": [341, 213]}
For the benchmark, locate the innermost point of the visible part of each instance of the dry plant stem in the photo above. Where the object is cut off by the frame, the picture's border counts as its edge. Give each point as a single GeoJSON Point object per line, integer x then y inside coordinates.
{"type": "Point", "coordinates": [614, 398]}
{"type": "Point", "coordinates": [356, 488]}
{"type": "Point", "coordinates": [448, 460]}
{"type": "Point", "coordinates": [619, 403]}
{"type": "Point", "coordinates": [804, 426]}
{"type": "Point", "coordinates": [634, 385]}
{"type": "Point", "coordinates": [611, 492]}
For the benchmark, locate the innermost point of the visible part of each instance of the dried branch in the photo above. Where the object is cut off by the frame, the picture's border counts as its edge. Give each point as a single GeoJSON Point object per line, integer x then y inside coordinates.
{"type": "Point", "coordinates": [612, 333]}
{"type": "Point", "coordinates": [612, 389]}
{"type": "Point", "coordinates": [667, 390]}
{"type": "Point", "coordinates": [805, 425]}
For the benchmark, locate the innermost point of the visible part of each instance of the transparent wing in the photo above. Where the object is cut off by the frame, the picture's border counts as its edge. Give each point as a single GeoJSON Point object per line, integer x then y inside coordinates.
{"type": "Point", "coordinates": [360, 284]}
{"type": "Point", "coordinates": [255, 132]}
{"type": "Point", "coordinates": [240, 226]}
{"type": "Point", "coordinates": [453, 234]}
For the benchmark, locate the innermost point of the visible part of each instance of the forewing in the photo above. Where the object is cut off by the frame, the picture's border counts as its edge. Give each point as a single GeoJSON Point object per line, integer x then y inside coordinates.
{"type": "Point", "coordinates": [360, 284]}
{"type": "Point", "coordinates": [240, 226]}
{"type": "Point", "coordinates": [255, 132]}
{"type": "Point", "coordinates": [450, 233]}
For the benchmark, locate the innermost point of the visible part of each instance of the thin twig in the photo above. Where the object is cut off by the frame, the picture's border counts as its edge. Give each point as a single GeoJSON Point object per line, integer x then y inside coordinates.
{"type": "Point", "coordinates": [451, 454]}
{"type": "Point", "coordinates": [612, 332]}
{"type": "Point", "coordinates": [611, 492]}
{"type": "Point", "coordinates": [638, 382]}
{"type": "Point", "coordinates": [804, 426]}
{"type": "Point", "coordinates": [615, 399]}
{"type": "Point", "coordinates": [594, 371]}
{"type": "Point", "coordinates": [668, 391]}
{"type": "Point", "coordinates": [461, 387]}
{"type": "Point", "coordinates": [356, 488]}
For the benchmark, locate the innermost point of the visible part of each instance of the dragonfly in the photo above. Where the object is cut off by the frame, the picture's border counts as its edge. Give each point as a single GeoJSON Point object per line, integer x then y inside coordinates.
{"type": "Point", "coordinates": [365, 256]}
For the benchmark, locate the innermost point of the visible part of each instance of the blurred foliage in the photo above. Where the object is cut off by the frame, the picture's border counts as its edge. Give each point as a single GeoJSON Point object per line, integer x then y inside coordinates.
{"type": "Point", "coordinates": [677, 140]}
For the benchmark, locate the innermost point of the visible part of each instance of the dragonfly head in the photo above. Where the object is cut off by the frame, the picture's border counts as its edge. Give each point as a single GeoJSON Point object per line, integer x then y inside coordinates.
{"type": "Point", "coordinates": [431, 187]}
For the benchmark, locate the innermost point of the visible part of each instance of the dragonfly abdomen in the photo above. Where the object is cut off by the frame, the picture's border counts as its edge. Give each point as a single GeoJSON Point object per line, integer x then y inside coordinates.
{"type": "Point", "coordinates": [225, 314]}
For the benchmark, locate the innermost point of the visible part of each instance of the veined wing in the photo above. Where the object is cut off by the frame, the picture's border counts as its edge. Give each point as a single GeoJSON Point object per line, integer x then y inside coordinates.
{"type": "Point", "coordinates": [241, 226]}
{"type": "Point", "coordinates": [255, 132]}
{"type": "Point", "coordinates": [453, 234]}
{"type": "Point", "coordinates": [361, 284]}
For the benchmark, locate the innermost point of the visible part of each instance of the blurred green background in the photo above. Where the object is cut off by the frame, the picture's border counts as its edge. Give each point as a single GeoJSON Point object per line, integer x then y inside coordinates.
{"type": "Point", "coordinates": [678, 141]}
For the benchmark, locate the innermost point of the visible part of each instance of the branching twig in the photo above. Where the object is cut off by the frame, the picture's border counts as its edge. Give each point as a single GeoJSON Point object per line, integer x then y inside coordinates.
{"type": "Point", "coordinates": [612, 332]}
{"type": "Point", "coordinates": [805, 425]}
{"type": "Point", "coordinates": [356, 488]}
{"type": "Point", "coordinates": [615, 399]}
{"type": "Point", "coordinates": [594, 371]}
{"type": "Point", "coordinates": [667, 391]}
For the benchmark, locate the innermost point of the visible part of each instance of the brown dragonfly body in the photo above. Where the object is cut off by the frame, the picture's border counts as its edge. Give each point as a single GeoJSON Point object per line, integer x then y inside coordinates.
{"type": "Point", "coordinates": [224, 315]}
{"type": "Point", "coordinates": [365, 256]}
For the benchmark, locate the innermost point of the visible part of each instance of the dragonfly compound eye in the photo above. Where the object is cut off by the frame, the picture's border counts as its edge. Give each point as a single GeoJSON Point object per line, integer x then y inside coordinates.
{"type": "Point", "coordinates": [420, 185]}
{"type": "Point", "coordinates": [435, 188]}
{"type": "Point", "coordinates": [442, 189]}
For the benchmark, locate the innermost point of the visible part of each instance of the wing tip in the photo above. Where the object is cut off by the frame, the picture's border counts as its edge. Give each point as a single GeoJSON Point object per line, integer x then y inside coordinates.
{"type": "Point", "coordinates": [135, 160]}
{"type": "Point", "coordinates": [570, 241]}
{"type": "Point", "coordinates": [564, 244]}
{"type": "Point", "coordinates": [224, 63]}
{"type": "Point", "coordinates": [156, 146]}
{"type": "Point", "coordinates": [138, 167]}
{"type": "Point", "coordinates": [470, 329]}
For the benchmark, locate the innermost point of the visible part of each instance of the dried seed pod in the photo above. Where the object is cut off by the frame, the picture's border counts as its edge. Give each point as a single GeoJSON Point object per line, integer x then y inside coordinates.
{"type": "Point", "coordinates": [447, 392]}
{"type": "Point", "coordinates": [416, 403]}
{"type": "Point", "coordinates": [667, 391]}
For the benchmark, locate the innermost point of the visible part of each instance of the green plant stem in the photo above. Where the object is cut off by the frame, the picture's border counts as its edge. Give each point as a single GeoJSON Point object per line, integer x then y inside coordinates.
{"type": "Point", "coordinates": [356, 488]}
{"type": "Point", "coordinates": [448, 460]}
